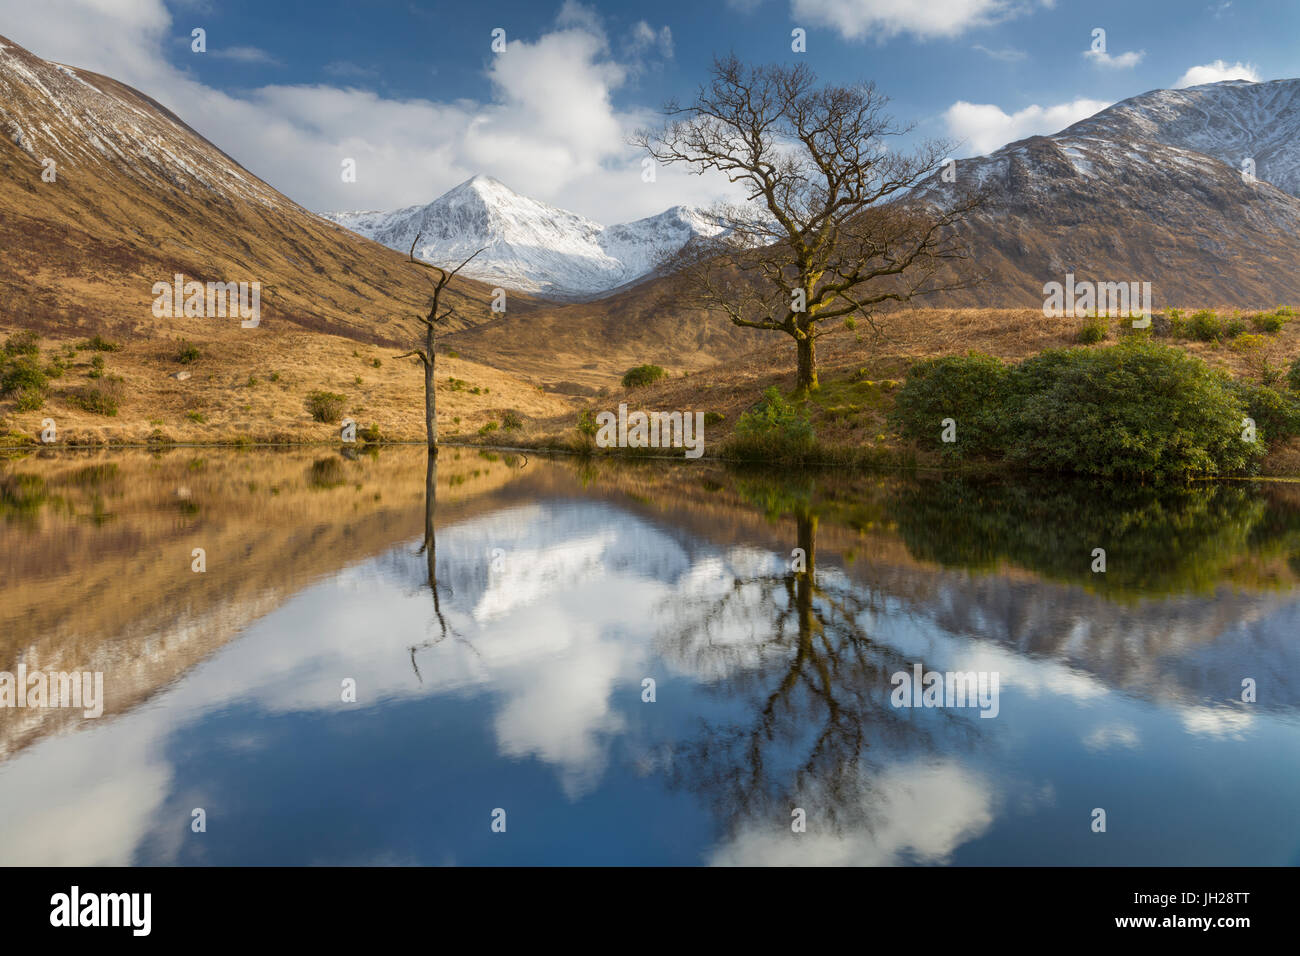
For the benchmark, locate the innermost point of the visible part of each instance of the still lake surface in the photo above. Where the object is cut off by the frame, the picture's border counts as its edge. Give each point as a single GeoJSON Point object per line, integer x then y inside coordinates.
{"type": "Point", "coordinates": [500, 642]}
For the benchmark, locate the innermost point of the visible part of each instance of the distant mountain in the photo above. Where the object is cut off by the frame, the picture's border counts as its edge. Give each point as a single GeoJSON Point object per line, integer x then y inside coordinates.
{"type": "Point", "coordinates": [1150, 189]}
{"type": "Point", "coordinates": [530, 246]}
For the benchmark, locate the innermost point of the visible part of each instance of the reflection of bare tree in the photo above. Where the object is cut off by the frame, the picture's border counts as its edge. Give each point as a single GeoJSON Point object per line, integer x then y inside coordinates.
{"type": "Point", "coordinates": [816, 690]}
{"type": "Point", "coordinates": [429, 548]}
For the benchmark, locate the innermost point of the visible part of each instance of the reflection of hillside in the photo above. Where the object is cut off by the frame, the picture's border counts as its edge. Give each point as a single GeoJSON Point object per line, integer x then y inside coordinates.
{"type": "Point", "coordinates": [95, 552]}
{"type": "Point", "coordinates": [1224, 557]}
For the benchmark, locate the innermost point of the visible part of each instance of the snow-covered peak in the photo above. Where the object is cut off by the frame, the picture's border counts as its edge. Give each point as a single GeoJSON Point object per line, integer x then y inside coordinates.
{"type": "Point", "coordinates": [529, 245]}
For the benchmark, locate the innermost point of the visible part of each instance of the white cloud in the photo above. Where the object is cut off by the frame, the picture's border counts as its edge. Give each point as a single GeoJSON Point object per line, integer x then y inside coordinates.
{"type": "Point", "coordinates": [1008, 55]}
{"type": "Point", "coordinates": [881, 19]}
{"type": "Point", "coordinates": [1125, 61]}
{"type": "Point", "coordinates": [548, 128]}
{"type": "Point", "coordinates": [987, 127]}
{"type": "Point", "coordinates": [245, 54]}
{"type": "Point", "coordinates": [1216, 72]}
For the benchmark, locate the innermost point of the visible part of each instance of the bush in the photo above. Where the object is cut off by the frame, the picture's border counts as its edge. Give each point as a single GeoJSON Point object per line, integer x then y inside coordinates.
{"type": "Point", "coordinates": [1293, 375]}
{"type": "Point", "coordinates": [1136, 409]}
{"type": "Point", "coordinates": [510, 421]}
{"type": "Point", "coordinates": [1093, 331]}
{"type": "Point", "coordinates": [642, 375]}
{"type": "Point", "coordinates": [29, 399]}
{"type": "Point", "coordinates": [99, 344]}
{"type": "Point", "coordinates": [187, 353]}
{"type": "Point", "coordinates": [973, 390]}
{"type": "Point", "coordinates": [102, 398]}
{"type": "Point", "coordinates": [22, 374]}
{"type": "Point", "coordinates": [587, 423]}
{"type": "Point", "coordinates": [1271, 321]}
{"type": "Point", "coordinates": [1205, 326]}
{"type": "Point", "coordinates": [370, 433]}
{"type": "Point", "coordinates": [774, 429]}
{"type": "Point", "coordinates": [25, 342]}
{"type": "Point", "coordinates": [1276, 414]}
{"type": "Point", "coordinates": [326, 406]}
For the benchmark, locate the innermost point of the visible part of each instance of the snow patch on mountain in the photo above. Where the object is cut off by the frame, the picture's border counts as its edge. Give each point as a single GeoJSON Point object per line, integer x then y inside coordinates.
{"type": "Point", "coordinates": [529, 246]}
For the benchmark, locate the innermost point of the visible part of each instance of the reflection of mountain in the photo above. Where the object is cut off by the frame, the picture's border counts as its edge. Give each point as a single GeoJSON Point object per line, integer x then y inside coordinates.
{"type": "Point", "coordinates": [773, 681]}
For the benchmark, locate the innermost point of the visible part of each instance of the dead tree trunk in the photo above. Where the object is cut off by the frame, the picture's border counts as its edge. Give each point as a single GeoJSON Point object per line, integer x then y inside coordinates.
{"type": "Point", "coordinates": [428, 354]}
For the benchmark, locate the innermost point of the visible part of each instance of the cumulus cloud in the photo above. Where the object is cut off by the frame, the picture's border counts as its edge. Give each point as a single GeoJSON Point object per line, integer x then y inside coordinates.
{"type": "Point", "coordinates": [987, 127]}
{"type": "Point", "coordinates": [1216, 72]}
{"type": "Point", "coordinates": [881, 19]}
{"type": "Point", "coordinates": [547, 125]}
{"type": "Point", "coordinates": [1125, 61]}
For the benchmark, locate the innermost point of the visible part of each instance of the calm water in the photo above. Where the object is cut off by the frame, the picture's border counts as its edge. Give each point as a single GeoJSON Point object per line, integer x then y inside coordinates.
{"type": "Point", "coordinates": [500, 642]}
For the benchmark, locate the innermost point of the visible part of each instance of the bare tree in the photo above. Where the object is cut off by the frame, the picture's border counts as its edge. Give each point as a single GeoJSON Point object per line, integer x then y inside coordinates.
{"type": "Point", "coordinates": [427, 353]}
{"type": "Point", "coordinates": [833, 224]}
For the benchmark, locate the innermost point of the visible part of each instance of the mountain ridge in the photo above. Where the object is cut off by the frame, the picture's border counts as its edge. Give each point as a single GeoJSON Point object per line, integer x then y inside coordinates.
{"type": "Point", "coordinates": [529, 245]}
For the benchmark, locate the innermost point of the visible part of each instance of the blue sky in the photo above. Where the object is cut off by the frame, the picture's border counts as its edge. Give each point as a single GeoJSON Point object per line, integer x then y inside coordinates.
{"type": "Point", "coordinates": [413, 92]}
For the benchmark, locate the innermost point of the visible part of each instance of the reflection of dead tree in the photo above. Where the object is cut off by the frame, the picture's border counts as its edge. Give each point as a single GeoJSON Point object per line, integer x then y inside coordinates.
{"type": "Point", "coordinates": [429, 548]}
{"type": "Point", "coordinates": [818, 689]}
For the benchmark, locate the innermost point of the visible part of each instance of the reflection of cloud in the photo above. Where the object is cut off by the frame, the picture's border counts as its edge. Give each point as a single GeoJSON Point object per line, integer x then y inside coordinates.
{"type": "Point", "coordinates": [919, 812]}
{"type": "Point", "coordinates": [1112, 735]}
{"type": "Point", "coordinates": [1215, 721]}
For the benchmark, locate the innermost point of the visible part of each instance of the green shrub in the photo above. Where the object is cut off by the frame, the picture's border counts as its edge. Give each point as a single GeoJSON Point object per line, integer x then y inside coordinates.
{"type": "Point", "coordinates": [187, 353]}
{"type": "Point", "coordinates": [370, 433]}
{"type": "Point", "coordinates": [22, 374]}
{"type": "Point", "coordinates": [1293, 375]}
{"type": "Point", "coordinates": [1276, 414]}
{"type": "Point", "coordinates": [774, 429]}
{"type": "Point", "coordinates": [326, 406]}
{"type": "Point", "coordinates": [1205, 326]}
{"type": "Point", "coordinates": [29, 399]}
{"type": "Point", "coordinates": [25, 342]}
{"type": "Point", "coordinates": [1234, 328]}
{"type": "Point", "coordinates": [488, 429]}
{"type": "Point", "coordinates": [510, 421]}
{"type": "Point", "coordinates": [1135, 409]}
{"type": "Point", "coordinates": [99, 344]}
{"type": "Point", "coordinates": [102, 398]}
{"type": "Point", "coordinates": [1093, 331]}
{"type": "Point", "coordinates": [973, 390]}
{"type": "Point", "coordinates": [587, 423]}
{"type": "Point", "coordinates": [1271, 321]}
{"type": "Point", "coordinates": [642, 375]}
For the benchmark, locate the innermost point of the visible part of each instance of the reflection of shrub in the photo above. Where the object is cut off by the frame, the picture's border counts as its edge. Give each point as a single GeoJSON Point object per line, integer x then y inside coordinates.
{"type": "Point", "coordinates": [326, 406]}
{"type": "Point", "coordinates": [1137, 409]}
{"type": "Point", "coordinates": [325, 473]}
{"type": "Point", "coordinates": [642, 375]}
{"type": "Point", "coordinates": [1174, 539]}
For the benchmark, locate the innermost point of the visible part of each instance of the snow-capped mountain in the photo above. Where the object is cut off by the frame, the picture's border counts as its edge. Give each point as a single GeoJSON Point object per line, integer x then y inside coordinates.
{"type": "Point", "coordinates": [1150, 189]}
{"type": "Point", "coordinates": [1232, 121]}
{"type": "Point", "coordinates": [529, 245]}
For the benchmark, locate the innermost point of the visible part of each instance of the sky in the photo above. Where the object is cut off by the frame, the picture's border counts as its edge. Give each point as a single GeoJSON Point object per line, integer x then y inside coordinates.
{"type": "Point", "coordinates": [413, 92]}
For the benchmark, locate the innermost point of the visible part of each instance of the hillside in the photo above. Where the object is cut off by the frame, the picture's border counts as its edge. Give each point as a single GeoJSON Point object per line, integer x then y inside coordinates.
{"type": "Point", "coordinates": [137, 197]}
